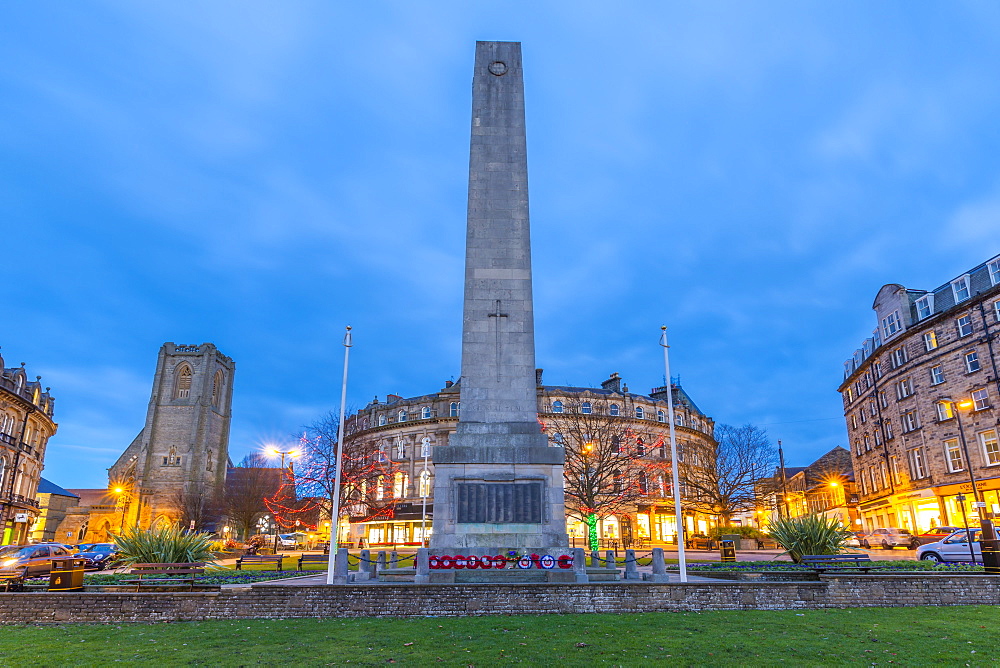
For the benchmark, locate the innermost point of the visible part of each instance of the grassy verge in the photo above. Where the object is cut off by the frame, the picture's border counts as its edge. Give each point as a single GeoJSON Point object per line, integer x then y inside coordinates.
{"type": "Point", "coordinates": [909, 636]}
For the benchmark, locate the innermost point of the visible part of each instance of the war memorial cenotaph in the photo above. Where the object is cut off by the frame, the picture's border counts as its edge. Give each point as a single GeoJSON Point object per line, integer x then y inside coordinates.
{"type": "Point", "coordinates": [498, 483]}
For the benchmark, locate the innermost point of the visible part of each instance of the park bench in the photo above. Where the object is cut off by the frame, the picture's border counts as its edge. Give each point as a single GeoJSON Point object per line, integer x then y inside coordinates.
{"type": "Point", "coordinates": [837, 562]}
{"type": "Point", "coordinates": [165, 574]}
{"type": "Point", "coordinates": [11, 581]}
{"type": "Point", "coordinates": [314, 559]}
{"type": "Point", "coordinates": [260, 559]}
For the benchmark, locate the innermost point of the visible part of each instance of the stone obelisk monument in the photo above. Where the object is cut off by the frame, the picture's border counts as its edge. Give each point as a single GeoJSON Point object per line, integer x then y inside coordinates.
{"type": "Point", "coordinates": [498, 484]}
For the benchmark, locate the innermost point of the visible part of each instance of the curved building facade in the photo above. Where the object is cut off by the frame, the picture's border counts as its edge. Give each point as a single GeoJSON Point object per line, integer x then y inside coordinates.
{"type": "Point", "coordinates": [405, 429]}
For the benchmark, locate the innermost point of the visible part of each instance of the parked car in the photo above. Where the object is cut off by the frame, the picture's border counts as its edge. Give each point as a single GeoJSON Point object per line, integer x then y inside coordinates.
{"type": "Point", "coordinates": [31, 560]}
{"type": "Point", "coordinates": [855, 539]}
{"type": "Point", "coordinates": [292, 539]}
{"type": "Point", "coordinates": [935, 534]}
{"type": "Point", "coordinates": [99, 556]}
{"type": "Point", "coordinates": [953, 548]}
{"type": "Point", "coordinates": [888, 539]}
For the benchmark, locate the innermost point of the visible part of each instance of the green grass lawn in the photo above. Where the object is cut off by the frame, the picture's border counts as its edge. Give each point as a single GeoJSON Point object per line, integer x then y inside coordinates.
{"type": "Point", "coordinates": [909, 636]}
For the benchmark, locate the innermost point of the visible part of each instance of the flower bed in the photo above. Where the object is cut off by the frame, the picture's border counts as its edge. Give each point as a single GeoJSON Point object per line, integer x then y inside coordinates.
{"type": "Point", "coordinates": [211, 577]}
{"type": "Point", "coordinates": [887, 566]}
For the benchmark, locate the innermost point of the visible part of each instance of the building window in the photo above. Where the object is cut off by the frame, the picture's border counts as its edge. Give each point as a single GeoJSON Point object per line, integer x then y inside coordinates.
{"type": "Point", "coordinates": [639, 414]}
{"type": "Point", "coordinates": [972, 362]}
{"type": "Point", "coordinates": [425, 413]}
{"type": "Point", "coordinates": [381, 420]}
{"type": "Point", "coordinates": [557, 406]}
{"type": "Point", "coordinates": [217, 383]}
{"type": "Point", "coordinates": [925, 306]}
{"type": "Point", "coordinates": [868, 443]}
{"type": "Point", "coordinates": [380, 488]}
{"type": "Point", "coordinates": [613, 409]}
{"type": "Point", "coordinates": [981, 398]}
{"type": "Point", "coordinates": [661, 416]}
{"type": "Point", "coordinates": [895, 470]}
{"type": "Point", "coordinates": [899, 357]}
{"type": "Point", "coordinates": [996, 310]}
{"type": "Point", "coordinates": [884, 470]}
{"type": "Point", "coordinates": [930, 341]}
{"type": "Point", "coordinates": [960, 287]}
{"type": "Point", "coordinates": [402, 416]}
{"type": "Point", "coordinates": [877, 368]}
{"type": "Point", "coordinates": [888, 430]}
{"type": "Point", "coordinates": [909, 421]}
{"type": "Point", "coordinates": [873, 476]}
{"type": "Point", "coordinates": [616, 445]}
{"type": "Point", "coordinates": [890, 324]}
{"type": "Point", "coordinates": [586, 408]}
{"type": "Point", "coordinates": [917, 466]}
{"type": "Point", "coordinates": [453, 409]}
{"type": "Point", "coordinates": [425, 484]}
{"type": "Point", "coordinates": [883, 402]}
{"type": "Point", "coordinates": [944, 411]}
{"type": "Point", "coordinates": [400, 450]}
{"type": "Point", "coordinates": [643, 482]}
{"type": "Point", "coordinates": [937, 376]}
{"type": "Point", "coordinates": [904, 388]}
{"type": "Point", "coordinates": [399, 484]}
{"type": "Point", "coordinates": [854, 421]}
{"type": "Point", "coordinates": [991, 447]}
{"type": "Point", "coordinates": [878, 437]}
{"type": "Point", "coordinates": [953, 455]}
{"type": "Point", "coordinates": [964, 325]}
{"type": "Point", "coordinates": [182, 382]}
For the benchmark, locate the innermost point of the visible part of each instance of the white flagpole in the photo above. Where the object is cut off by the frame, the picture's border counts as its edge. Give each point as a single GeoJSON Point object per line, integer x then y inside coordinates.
{"type": "Point", "coordinates": [674, 462]}
{"type": "Point", "coordinates": [335, 501]}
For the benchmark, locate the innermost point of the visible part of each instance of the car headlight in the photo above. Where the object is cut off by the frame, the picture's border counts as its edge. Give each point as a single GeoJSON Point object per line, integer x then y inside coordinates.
{"type": "Point", "coordinates": [98, 557]}
{"type": "Point", "coordinates": [10, 562]}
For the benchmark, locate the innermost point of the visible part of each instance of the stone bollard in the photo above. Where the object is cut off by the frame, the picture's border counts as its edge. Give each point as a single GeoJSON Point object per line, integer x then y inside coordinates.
{"type": "Point", "coordinates": [631, 567]}
{"type": "Point", "coordinates": [340, 566]}
{"type": "Point", "coordinates": [595, 559]}
{"type": "Point", "coordinates": [380, 562]}
{"type": "Point", "coordinates": [659, 566]}
{"type": "Point", "coordinates": [580, 565]}
{"type": "Point", "coordinates": [423, 575]}
{"type": "Point", "coordinates": [610, 560]}
{"type": "Point", "coordinates": [364, 567]}
{"type": "Point", "coordinates": [394, 559]}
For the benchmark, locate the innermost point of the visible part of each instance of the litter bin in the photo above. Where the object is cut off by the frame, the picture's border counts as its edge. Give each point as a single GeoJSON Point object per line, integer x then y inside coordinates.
{"type": "Point", "coordinates": [735, 537]}
{"type": "Point", "coordinates": [728, 550]}
{"type": "Point", "coordinates": [66, 575]}
{"type": "Point", "coordinates": [991, 555]}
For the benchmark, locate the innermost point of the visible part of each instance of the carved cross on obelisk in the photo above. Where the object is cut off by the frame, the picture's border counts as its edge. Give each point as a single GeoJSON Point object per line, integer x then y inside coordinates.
{"type": "Point", "coordinates": [497, 314]}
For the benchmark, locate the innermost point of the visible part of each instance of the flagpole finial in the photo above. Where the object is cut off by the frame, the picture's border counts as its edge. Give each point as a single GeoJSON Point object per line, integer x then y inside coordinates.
{"type": "Point", "coordinates": [663, 327]}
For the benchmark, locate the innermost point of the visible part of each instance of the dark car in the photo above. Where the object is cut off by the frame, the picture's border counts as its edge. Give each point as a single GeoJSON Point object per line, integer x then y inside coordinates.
{"type": "Point", "coordinates": [934, 535]}
{"type": "Point", "coordinates": [31, 560]}
{"type": "Point", "coordinates": [99, 556]}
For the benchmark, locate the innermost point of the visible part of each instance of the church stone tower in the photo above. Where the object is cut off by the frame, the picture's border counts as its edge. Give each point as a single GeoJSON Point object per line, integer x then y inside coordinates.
{"type": "Point", "coordinates": [183, 449]}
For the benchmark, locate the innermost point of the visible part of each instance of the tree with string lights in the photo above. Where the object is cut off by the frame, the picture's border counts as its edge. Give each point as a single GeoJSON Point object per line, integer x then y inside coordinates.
{"type": "Point", "coordinates": [605, 472]}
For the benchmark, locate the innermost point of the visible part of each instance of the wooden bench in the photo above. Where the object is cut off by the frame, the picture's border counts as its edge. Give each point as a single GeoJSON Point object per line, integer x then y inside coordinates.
{"type": "Point", "coordinates": [188, 571]}
{"type": "Point", "coordinates": [314, 559]}
{"type": "Point", "coordinates": [260, 559]}
{"type": "Point", "coordinates": [838, 562]}
{"type": "Point", "coordinates": [11, 581]}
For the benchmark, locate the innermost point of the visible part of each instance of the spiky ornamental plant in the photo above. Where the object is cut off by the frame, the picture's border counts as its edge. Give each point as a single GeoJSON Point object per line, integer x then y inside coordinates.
{"type": "Point", "coordinates": [164, 544]}
{"type": "Point", "coordinates": [809, 534]}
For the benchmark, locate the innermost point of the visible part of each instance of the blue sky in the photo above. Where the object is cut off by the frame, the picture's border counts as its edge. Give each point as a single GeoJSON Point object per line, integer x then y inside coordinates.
{"type": "Point", "coordinates": [260, 174]}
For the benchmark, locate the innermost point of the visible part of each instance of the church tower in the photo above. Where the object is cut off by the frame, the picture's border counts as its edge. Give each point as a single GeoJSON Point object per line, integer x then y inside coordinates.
{"type": "Point", "coordinates": [182, 451]}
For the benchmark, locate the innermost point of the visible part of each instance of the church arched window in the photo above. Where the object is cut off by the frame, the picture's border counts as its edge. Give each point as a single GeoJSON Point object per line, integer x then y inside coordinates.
{"type": "Point", "coordinates": [182, 382]}
{"type": "Point", "coordinates": [217, 384]}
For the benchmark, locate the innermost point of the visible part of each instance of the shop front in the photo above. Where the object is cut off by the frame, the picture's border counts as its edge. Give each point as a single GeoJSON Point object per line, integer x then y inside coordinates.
{"type": "Point", "coordinates": [916, 511]}
{"type": "Point", "coordinates": [958, 498]}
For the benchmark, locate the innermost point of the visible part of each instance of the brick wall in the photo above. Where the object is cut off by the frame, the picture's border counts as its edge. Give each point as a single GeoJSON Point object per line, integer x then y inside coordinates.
{"type": "Point", "coordinates": [462, 600]}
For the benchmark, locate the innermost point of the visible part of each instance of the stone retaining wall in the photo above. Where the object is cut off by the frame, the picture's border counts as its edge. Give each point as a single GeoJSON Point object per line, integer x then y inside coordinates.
{"type": "Point", "coordinates": [407, 600]}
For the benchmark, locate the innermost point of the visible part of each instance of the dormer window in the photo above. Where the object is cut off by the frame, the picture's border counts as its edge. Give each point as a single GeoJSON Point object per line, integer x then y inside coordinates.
{"type": "Point", "coordinates": [425, 413]}
{"type": "Point", "coordinates": [925, 306]}
{"type": "Point", "coordinates": [381, 419]}
{"type": "Point", "coordinates": [453, 409]}
{"type": "Point", "coordinates": [994, 268]}
{"type": "Point", "coordinates": [402, 416]}
{"type": "Point", "coordinates": [891, 324]}
{"type": "Point", "coordinates": [960, 287]}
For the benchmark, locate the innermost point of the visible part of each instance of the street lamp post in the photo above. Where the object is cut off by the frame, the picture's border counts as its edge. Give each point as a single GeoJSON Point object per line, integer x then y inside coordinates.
{"type": "Point", "coordinates": [987, 539]}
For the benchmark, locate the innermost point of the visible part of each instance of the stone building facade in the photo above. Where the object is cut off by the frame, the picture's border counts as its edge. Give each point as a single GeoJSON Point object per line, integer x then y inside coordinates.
{"type": "Point", "coordinates": [26, 425]}
{"type": "Point", "coordinates": [404, 429]}
{"type": "Point", "coordinates": [826, 487]}
{"type": "Point", "coordinates": [55, 504]}
{"type": "Point", "coordinates": [920, 403]}
{"type": "Point", "coordinates": [181, 452]}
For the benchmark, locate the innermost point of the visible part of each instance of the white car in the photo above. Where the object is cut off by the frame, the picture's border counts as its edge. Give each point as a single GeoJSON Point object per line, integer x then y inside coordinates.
{"type": "Point", "coordinates": [888, 539]}
{"type": "Point", "coordinates": [953, 548]}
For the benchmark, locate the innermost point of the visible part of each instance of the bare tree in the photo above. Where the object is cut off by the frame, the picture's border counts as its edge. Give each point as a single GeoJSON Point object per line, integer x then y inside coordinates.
{"type": "Point", "coordinates": [604, 473]}
{"type": "Point", "coordinates": [723, 478]}
{"type": "Point", "coordinates": [197, 510]}
{"type": "Point", "coordinates": [247, 486]}
{"type": "Point", "coordinates": [368, 475]}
